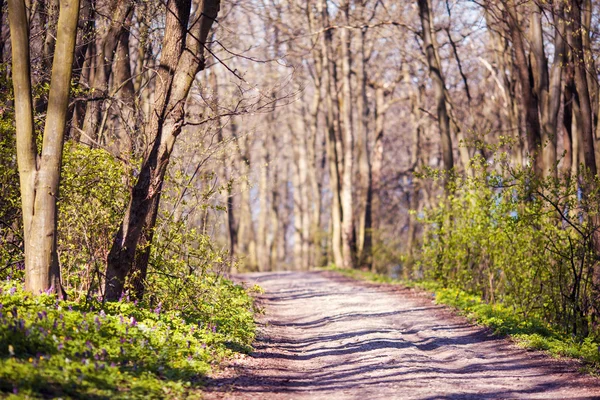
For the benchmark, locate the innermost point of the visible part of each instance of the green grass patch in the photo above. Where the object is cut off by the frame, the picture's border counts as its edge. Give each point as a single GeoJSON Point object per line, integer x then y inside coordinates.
{"type": "Point", "coordinates": [527, 332]}
{"type": "Point", "coordinates": [122, 350]}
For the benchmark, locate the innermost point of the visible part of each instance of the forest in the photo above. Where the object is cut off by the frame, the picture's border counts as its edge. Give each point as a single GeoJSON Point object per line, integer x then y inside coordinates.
{"type": "Point", "coordinates": [153, 151]}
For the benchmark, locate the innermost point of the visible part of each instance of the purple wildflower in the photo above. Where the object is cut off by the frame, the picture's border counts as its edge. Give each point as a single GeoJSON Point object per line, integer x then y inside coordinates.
{"type": "Point", "coordinates": [60, 346]}
{"type": "Point", "coordinates": [12, 290]}
{"type": "Point", "coordinates": [133, 321]}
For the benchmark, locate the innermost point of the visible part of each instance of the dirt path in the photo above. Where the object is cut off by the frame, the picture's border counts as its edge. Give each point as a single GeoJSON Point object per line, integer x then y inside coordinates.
{"type": "Point", "coordinates": [328, 337]}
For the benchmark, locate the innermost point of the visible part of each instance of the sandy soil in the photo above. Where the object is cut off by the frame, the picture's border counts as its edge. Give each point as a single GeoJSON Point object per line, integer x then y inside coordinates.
{"type": "Point", "coordinates": [324, 336]}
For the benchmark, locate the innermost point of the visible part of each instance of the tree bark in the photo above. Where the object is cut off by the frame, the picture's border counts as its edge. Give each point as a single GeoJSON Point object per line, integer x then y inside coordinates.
{"type": "Point", "coordinates": [365, 186]}
{"type": "Point", "coordinates": [333, 155]}
{"type": "Point", "coordinates": [40, 174]}
{"type": "Point", "coordinates": [435, 73]}
{"type": "Point", "coordinates": [585, 108]}
{"type": "Point", "coordinates": [182, 58]}
{"type": "Point", "coordinates": [346, 195]}
{"type": "Point", "coordinates": [547, 86]}
{"type": "Point", "coordinates": [105, 46]}
{"type": "Point", "coordinates": [528, 96]}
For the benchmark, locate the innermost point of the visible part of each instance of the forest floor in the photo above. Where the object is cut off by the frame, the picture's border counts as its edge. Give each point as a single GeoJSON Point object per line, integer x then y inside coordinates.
{"type": "Point", "coordinates": [325, 336]}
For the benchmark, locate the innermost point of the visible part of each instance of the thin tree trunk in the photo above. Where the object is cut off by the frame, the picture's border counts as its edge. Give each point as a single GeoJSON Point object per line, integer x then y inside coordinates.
{"type": "Point", "coordinates": [569, 162]}
{"type": "Point", "coordinates": [438, 82]}
{"type": "Point", "coordinates": [581, 84]}
{"type": "Point", "coordinates": [381, 107]}
{"type": "Point", "coordinates": [105, 48]}
{"type": "Point", "coordinates": [547, 86]}
{"type": "Point", "coordinates": [262, 250]}
{"type": "Point", "coordinates": [529, 98]}
{"type": "Point", "coordinates": [346, 198]}
{"type": "Point", "coordinates": [331, 138]}
{"type": "Point", "coordinates": [123, 110]}
{"type": "Point", "coordinates": [365, 187]}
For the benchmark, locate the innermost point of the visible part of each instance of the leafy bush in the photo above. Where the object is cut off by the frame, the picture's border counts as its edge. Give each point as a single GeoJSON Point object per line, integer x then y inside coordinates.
{"type": "Point", "coordinates": [11, 238]}
{"type": "Point", "coordinates": [93, 196]}
{"type": "Point", "coordinates": [114, 350]}
{"type": "Point", "coordinates": [524, 243]}
{"type": "Point", "coordinates": [185, 274]}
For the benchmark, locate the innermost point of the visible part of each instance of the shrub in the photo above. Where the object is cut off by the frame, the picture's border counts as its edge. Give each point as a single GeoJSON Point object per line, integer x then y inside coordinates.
{"type": "Point", "coordinates": [517, 241]}
{"type": "Point", "coordinates": [82, 348]}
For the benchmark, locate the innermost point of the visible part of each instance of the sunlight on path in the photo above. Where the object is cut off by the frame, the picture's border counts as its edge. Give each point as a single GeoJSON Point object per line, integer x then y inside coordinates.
{"type": "Point", "coordinates": [327, 337]}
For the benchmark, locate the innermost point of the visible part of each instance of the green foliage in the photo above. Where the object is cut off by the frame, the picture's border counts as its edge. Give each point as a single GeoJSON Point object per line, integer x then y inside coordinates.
{"type": "Point", "coordinates": [519, 242]}
{"type": "Point", "coordinates": [93, 196]}
{"type": "Point", "coordinates": [11, 240]}
{"type": "Point", "coordinates": [84, 349]}
{"type": "Point", "coordinates": [185, 274]}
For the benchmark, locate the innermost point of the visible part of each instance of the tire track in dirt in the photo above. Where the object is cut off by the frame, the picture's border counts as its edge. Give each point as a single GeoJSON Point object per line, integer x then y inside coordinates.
{"type": "Point", "coordinates": [324, 336]}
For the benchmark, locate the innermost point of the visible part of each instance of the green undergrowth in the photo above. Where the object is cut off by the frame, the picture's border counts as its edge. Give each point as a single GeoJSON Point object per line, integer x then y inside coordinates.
{"type": "Point", "coordinates": [527, 331]}
{"type": "Point", "coordinates": [120, 350]}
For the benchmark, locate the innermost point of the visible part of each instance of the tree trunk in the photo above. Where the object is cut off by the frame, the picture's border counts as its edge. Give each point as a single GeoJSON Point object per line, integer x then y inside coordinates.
{"type": "Point", "coordinates": [40, 174]}
{"type": "Point", "coordinates": [381, 106]}
{"type": "Point", "coordinates": [528, 96]}
{"type": "Point", "coordinates": [547, 86]}
{"type": "Point", "coordinates": [365, 187]}
{"type": "Point", "coordinates": [105, 47]}
{"type": "Point", "coordinates": [262, 250]}
{"type": "Point", "coordinates": [331, 137]}
{"type": "Point", "coordinates": [587, 133]}
{"type": "Point", "coordinates": [122, 113]}
{"type": "Point", "coordinates": [182, 58]}
{"type": "Point", "coordinates": [438, 82]}
{"type": "Point", "coordinates": [569, 162]}
{"type": "Point", "coordinates": [346, 198]}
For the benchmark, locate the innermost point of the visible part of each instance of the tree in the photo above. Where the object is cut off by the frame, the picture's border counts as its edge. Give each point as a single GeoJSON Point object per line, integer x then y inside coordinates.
{"type": "Point", "coordinates": [181, 59]}
{"type": "Point", "coordinates": [435, 71]}
{"type": "Point", "coordinates": [40, 172]}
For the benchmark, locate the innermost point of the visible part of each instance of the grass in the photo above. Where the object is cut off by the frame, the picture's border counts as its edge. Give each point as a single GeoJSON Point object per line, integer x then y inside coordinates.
{"type": "Point", "coordinates": [122, 350]}
{"type": "Point", "coordinates": [528, 332]}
